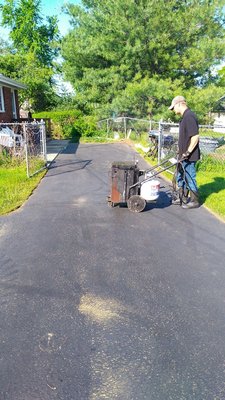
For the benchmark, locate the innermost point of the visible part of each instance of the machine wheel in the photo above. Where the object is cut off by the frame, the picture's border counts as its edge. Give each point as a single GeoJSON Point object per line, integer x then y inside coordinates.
{"type": "Point", "coordinates": [110, 203]}
{"type": "Point", "coordinates": [136, 203]}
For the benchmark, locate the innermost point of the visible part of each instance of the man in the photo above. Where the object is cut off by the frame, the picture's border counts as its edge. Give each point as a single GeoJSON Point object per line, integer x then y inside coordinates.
{"type": "Point", "coordinates": [189, 153]}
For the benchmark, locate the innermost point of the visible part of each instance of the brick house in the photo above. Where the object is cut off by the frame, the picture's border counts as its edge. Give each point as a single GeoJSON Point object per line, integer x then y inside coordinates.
{"type": "Point", "coordinates": [9, 104]}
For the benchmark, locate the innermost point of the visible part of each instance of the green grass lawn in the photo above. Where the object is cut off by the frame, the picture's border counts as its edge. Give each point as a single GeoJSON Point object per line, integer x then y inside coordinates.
{"type": "Point", "coordinates": [212, 190]}
{"type": "Point", "coordinates": [211, 186]}
{"type": "Point", "coordinates": [15, 187]}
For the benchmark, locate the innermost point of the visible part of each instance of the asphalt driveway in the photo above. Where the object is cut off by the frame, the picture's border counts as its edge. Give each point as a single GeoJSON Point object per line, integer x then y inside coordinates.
{"type": "Point", "coordinates": [101, 303]}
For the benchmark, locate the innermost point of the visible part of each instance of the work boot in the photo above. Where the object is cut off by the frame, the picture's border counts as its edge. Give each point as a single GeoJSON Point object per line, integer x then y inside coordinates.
{"type": "Point", "coordinates": [194, 202]}
{"type": "Point", "coordinates": [182, 197]}
{"type": "Point", "coordinates": [177, 199]}
{"type": "Point", "coordinates": [185, 196]}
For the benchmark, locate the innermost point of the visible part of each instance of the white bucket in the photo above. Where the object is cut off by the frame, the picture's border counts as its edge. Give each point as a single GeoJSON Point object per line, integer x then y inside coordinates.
{"type": "Point", "coordinates": [150, 190]}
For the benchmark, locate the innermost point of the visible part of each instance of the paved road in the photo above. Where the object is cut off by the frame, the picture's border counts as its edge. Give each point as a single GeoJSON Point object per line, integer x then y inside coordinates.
{"type": "Point", "coordinates": [55, 147]}
{"type": "Point", "coordinates": [101, 303]}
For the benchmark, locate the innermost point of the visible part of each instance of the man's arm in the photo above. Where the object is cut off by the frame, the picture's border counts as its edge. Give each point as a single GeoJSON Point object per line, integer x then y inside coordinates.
{"type": "Point", "coordinates": [193, 143]}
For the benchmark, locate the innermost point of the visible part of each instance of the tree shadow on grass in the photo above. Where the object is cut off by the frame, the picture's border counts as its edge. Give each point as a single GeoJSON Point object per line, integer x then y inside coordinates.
{"type": "Point", "coordinates": [215, 186]}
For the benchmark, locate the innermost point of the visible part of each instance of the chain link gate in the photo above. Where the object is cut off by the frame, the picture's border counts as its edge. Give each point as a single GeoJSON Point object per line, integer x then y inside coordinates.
{"type": "Point", "coordinates": [25, 141]}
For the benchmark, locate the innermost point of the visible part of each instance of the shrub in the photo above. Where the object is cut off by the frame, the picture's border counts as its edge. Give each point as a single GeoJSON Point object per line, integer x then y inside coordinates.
{"type": "Point", "coordinates": [71, 124]}
{"type": "Point", "coordinates": [62, 122]}
{"type": "Point", "coordinates": [86, 126]}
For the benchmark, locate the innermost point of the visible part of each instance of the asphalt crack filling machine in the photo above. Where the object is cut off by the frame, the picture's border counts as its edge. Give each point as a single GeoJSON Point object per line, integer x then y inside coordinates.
{"type": "Point", "coordinates": [127, 186]}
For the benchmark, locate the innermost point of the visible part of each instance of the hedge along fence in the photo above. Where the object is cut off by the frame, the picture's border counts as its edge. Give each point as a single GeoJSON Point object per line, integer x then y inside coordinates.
{"type": "Point", "coordinates": [70, 124]}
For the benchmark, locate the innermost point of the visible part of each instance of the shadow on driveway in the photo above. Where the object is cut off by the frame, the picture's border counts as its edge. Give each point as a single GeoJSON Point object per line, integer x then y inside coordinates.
{"type": "Point", "coordinates": [67, 162]}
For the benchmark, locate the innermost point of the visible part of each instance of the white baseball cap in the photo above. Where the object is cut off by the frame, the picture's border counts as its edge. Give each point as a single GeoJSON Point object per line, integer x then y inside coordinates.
{"type": "Point", "coordinates": [176, 100]}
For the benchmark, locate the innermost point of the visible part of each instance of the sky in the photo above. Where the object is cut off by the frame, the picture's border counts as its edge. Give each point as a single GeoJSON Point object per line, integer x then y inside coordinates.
{"type": "Point", "coordinates": [54, 7]}
{"type": "Point", "coordinates": [49, 8]}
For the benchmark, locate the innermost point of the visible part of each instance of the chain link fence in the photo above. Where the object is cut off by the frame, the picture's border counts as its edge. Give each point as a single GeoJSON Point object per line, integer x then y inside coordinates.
{"type": "Point", "coordinates": [211, 142]}
{"type": "Point", "coordinates": [123, 127]}
{"type": "Point", "coordinates": [163, 137]}
{"type": "Point", "coordinates": [26, 142]}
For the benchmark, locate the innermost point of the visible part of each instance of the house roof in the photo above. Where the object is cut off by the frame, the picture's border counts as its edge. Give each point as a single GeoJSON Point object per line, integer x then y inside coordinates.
{"type": "Point", "coordinates": [11, 83]}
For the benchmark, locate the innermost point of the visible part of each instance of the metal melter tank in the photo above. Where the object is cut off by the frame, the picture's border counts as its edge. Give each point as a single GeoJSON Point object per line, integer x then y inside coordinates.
{"type": "Point", "coordinates": [123, 176]}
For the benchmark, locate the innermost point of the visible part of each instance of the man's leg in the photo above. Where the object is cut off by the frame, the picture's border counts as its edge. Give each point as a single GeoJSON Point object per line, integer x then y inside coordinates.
{"type": "Point", "coordinates": [182, 195]}
{"type": "Point", "coordinates": [190, 179]}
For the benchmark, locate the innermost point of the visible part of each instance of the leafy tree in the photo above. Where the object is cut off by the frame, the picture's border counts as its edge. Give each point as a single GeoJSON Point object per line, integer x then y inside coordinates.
{"type": "Point", "coordinates": [131, 55]}
{"type": "Point", "coordinates": [204, 101]}
{"type": "Point", "coordinates": [31, 55]}
{"type": "Point", "coordinates": [27, 30]}
{"type": "Point", "coordinates": [40, 92]}
{"type": "Point", "coordinates": [221, 76]}
{"type": "Point", "coordinates": [143, 96]}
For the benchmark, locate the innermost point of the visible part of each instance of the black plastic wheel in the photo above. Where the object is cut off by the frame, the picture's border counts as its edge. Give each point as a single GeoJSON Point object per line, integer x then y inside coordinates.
{"type": "Point", "coordinates": [136, 203]}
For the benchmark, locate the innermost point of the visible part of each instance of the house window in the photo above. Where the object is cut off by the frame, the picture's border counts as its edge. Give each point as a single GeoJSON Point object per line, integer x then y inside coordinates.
{"type": "Point", "coordinates": [2, 106]}
{"type": "Point", "coordinates": [14, 104]}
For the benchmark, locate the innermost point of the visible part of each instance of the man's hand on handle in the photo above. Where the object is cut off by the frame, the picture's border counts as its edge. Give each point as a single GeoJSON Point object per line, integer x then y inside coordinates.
{"type": "Point", "coordinates": [185, 155]}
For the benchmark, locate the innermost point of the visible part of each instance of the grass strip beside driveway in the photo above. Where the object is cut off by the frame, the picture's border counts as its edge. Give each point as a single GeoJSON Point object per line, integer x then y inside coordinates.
{"type": "Point", "coordinates": [15, 187]}
{"type": "Point", "coordinates": [212, 191]}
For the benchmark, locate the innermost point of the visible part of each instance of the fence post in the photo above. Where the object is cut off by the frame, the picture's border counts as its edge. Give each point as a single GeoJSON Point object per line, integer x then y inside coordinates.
{"type": "Point", "coordinates": [125, 127]}
{"type": "Point", "coordinates": [160, 140]}
{"type": "Point", "coordinates": [26, 148]}
{"type": "Point", "coordinates": [107, 121]}
{"type": "Point", "coordinates": [43, 138]}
